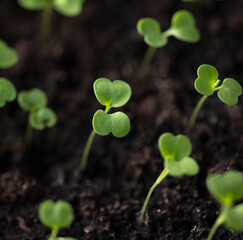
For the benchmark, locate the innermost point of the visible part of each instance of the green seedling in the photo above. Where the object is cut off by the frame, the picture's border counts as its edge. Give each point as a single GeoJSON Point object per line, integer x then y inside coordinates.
{"type": "Point", "coordinates": [34, 101]}
{"type": "Point", "coordinates": [109, 94]}
{"type": "Point", "coordinates": [175, 151]}
{"type": "Point", "coordinates": [8, 56]}
{"type": "Point", "coordinates": [69, 8]}
{"type": "Point", "coordinates": [182, 27]}
{"type": "Point", "coordinates": [7, 91]}
{"type": "Point", "coordinates": [227, 190]}
{"type": "Point", "coordinates": [56, 215]}
{"type": "Point", "coordinates": [207, 83]}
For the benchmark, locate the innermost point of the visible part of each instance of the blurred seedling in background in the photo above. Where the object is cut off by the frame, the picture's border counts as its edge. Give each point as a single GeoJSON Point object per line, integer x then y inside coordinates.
{"type": "Point", "coordinates": [8, 56]}
{"type": "Point", "coordinates": [7, 91]}
{"type": "Point", "coordinates": [69, 8]}
{"type": "Point", "coordinates": [56, 215]}
{"type": "Point", "coordinates": [34, 101]}
{"type": "Point", "coordinates": [182, 27]}
{"type": "Point", "coordinates": [227, 190]}
{"type": "Point", "coordinates": [207, 83]}
{"type": "Point", "coordinates": [175, 151]}
{"type": "Point", "coordinates": [110, 94]}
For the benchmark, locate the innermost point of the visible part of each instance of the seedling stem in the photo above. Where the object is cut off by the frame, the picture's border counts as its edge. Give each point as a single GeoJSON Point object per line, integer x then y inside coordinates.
{"type": "Point", "coordinates": [46, 18]}
{"type": "Point", "coordinates": [28, 135]}
{"type": "Point", "coordinates": [146, 62]}
{"type": "Point", "coordinates": [54, 233]}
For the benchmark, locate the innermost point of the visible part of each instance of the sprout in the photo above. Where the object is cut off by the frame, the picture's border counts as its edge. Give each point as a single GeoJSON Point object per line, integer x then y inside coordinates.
{"type": "Point", "coordinates": [8, 56]}
{"type": "Point", "coordinates": [109, 94]}
{"type": "Point", "coordinates": [7, 91]}
{"type": "Point", "coordinates": [227, 190]}
{"type": "Point", "coordinates": [182, 27]}
{"type": "Point", "coordinates": [56, 216]}
{"type": "Point", "coordinates": [175, 150]}
{"type": "Point", "coordinates": [207, 83]}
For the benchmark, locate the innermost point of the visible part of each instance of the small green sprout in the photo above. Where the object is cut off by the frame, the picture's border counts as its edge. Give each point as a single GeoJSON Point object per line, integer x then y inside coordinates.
{"type": "Point", "coordinates": [207, 83]}
{"type": "Point", "coordinates": [56, 216]}
{"type": "Point", "coordinates": [34, 101]}
{"type": "Point", "coordinates": [8, 56]}
{"type": "Point", "coordinates": [182, 27]}
{"type": "Point", "coordinates": [227, 190]}
{"type": "Point", "coordinates": [7, 91]}
{"type": "Point", "coordinates": [109, 94]}
{"type": "Point", "coordinates": [175, 150]}
{"type": "Point", "coordinates": [69, 8]}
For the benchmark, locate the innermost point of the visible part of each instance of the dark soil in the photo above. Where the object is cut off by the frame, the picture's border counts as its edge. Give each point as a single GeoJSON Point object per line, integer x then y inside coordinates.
{"type": "Point", "coordinates": [107, 198]}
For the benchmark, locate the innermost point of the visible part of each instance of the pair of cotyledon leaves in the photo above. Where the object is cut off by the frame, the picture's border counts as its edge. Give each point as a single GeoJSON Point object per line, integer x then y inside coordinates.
{"type": "Point", "coordinates": [229, 90]}
{"type": "Point", "coordinates": [8, 56]}
{"type": "Point", "coordinates": [176, 150]}
{"type": "Point", "coordinates": [35, 101]}
{"type": "Point", "coordinates": [56, 215]}
{"type": "Point", "coordinates": [182, 27]}
{"type": "Point", "coordinates": [111, 94]}
{"type": "Point", "coordinates": [227, 190]}
{"type": "Point", "coordinates": [68, 8]}
{"type": "Point", "coordinates": [7, 91]}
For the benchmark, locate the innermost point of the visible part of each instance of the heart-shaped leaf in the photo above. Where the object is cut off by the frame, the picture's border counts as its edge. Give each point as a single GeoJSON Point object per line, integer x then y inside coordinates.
{"type": "Point", "coordinates": [156, 40]}
{"type": "Point", "coordinates": [234, 219]}
{"type": "Point", "coordinates": [42, 118]}
{"type": "Point", "coordinates": [174, 147]}
{"type": "Point", "coordinates": [69, 8]}
{"type": "Point", "coordinates": [117, 123]}
{"type": "Point", "coordinates": [32, 4]}
{"type": "Point", "coordinates": [226, 188]}
{"type": "Point", "coordinates": [229, 91]}
{"type": "Point", "coordinates": [8, 56]}
{"type": "Point", "coordinates": [207, 76]}
{"type": "Point", "coordinates": [56, 215]}
{"type": "Point", "coordinates": [7, 91]}
{"type": "Point", "coordinates": [112, 94]}
{"type": "Point", "coordinates": [32, 99]}
{"type": "Point", "coordinates": [183, 27]}
{"type": "Point", "coordinates": [186, 166]}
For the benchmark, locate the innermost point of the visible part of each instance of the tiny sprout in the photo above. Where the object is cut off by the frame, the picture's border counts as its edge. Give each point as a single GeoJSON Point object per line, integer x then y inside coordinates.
{"type": "Point", "coordinates": [109, 94]}
{"type": "Point", "coordinates": [7, 91]}
{"type": "Point", "coordinates": [8, 56]}
{"type": "Point", "coordinates": [207, 83]}
{"type": "Point", "coordinates": [56, 216]}
{"type": "Point", "coordinates": [182, 27]}
{"type": "Point", "coordinates": [227, 190]}
{"type": "Point", "coordinates": [175, 150]}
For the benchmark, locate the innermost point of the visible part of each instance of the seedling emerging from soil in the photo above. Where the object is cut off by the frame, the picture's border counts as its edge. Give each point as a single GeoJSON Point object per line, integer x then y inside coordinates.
{"type": "Point", "coordinates": [175, 150]}
{"type": "Point", "coordinates": [110, 94]}
{"type": "Point", "coordinates": [7, 91]}
{"type": "Point", "coordinates": [56, 216]}
{"type": "Point", "coordinates": [8, 56]}
{"type": "Point", "coordinates": [34, 101]}
{"type": "Point", "coordinates": [69, 8]}
{"type": "Point", "coordinates": [182, 27]}
{"type": "Point", "coordinates": [207, 83]}
{"type": "Point", "coordinates": [227, 190]}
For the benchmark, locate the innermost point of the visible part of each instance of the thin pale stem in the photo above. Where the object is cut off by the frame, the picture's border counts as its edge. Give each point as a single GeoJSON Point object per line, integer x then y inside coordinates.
{"type": "Point", "coordinates": [196, 111]}
{"type": "Point", "coordinates": [54, 233]}
{"type": "Point", "coordinates": [158, 181]}
{"type": "Point", "coordinates": [46, 18]}
{"type": "Point", "coordinates": [28, 135]}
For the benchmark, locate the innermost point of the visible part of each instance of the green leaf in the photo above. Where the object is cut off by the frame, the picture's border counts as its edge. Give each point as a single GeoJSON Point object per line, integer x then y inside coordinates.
{"type": "Point", "coordinates": [226, 188]}
{"type": "Point", "coordinates": [186, 166]}
{"type": "Point", "coordinates": [42, 118]}
{"type": "Point", "coordinates": [56, 215]}
{"type": "Point", "coordinates": [69, 8]}
{"type": "Point", "coordinates": [32, 4]}
{"type": "Point", "coordinates": [229, 91]}
{"type": "Point", "coordinates": [207, 76]}
{"type": "Point", "coordinates": [234, 219]}
{"type": "Point", "coordinates": [117, 123]}
{"type": "Point", "coordinates": [183, 27]}
{"type": "Point", "coordinates": [174, 147]}
{"type": "Point", "coordinates": [7, 91]}
{"type": "Point", "coordinates": [8, 56]}
{"type": "Point", "coordinates": [112, 94]}
{"type": "Point", "coordinates": [156, 40]}
{"type": "Point", "coordinates": [32, 99]}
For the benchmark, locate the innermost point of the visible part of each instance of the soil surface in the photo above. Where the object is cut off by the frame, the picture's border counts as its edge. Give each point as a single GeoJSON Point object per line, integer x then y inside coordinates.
{"type": "Point", "coordinates": [107, 198]}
